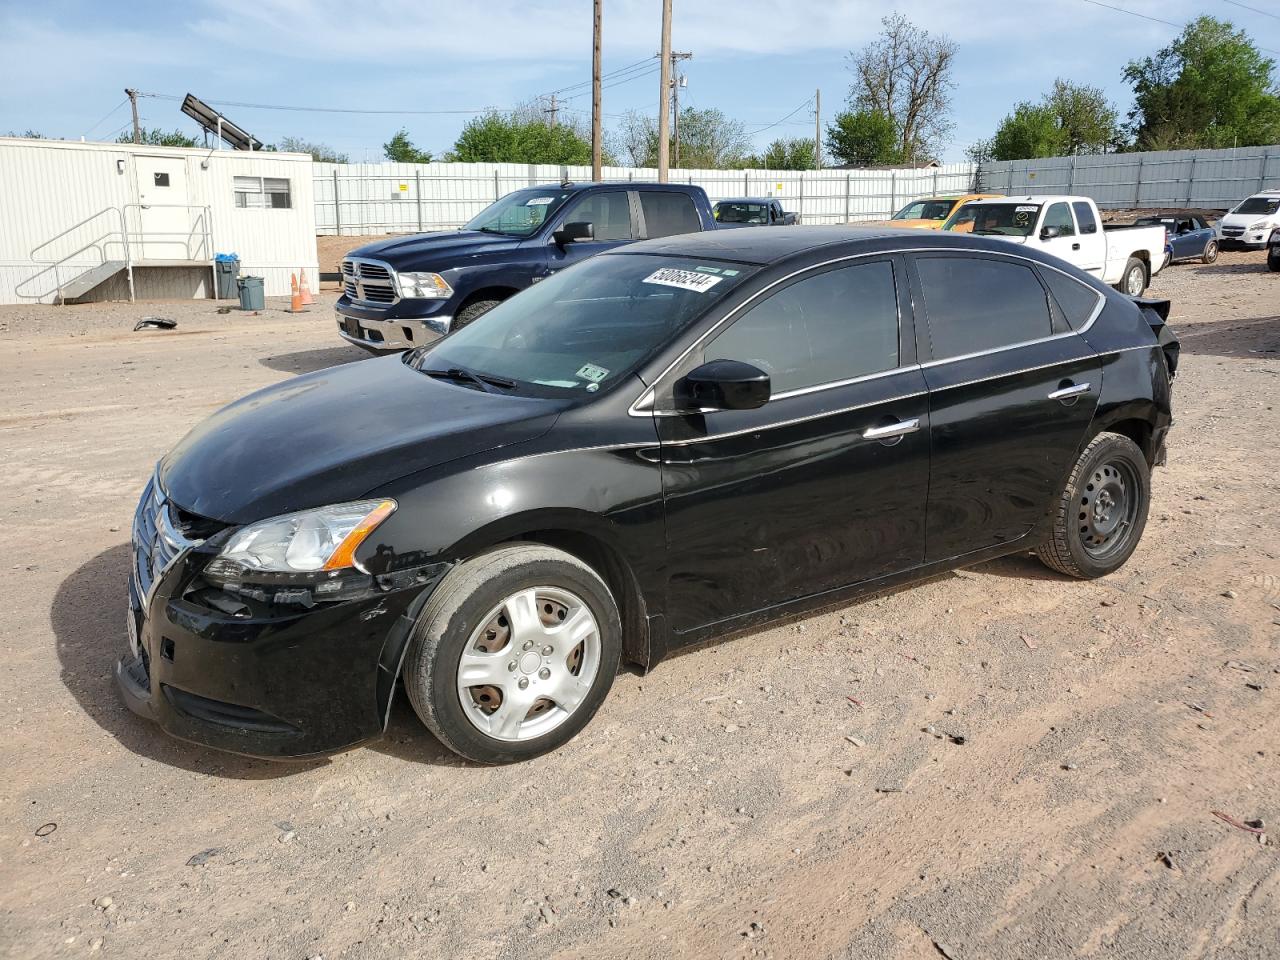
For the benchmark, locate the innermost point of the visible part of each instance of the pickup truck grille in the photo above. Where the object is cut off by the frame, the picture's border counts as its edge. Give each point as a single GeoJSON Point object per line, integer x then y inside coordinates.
{"type": "Point", "coordinates": [368, 281]}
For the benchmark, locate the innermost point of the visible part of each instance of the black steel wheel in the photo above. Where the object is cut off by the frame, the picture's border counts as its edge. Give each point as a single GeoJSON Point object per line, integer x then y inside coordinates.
{"type": "Point", "coordinates": [1102, 511]}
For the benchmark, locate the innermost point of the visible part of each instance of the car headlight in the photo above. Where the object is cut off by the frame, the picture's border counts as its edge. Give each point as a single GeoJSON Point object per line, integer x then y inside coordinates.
{"type": "Point", "coordinates": [313, 548]}
{"type": "Point", "coordinates": [1258, 225]}
{"type": "Point", "coordinates": [424, 286]}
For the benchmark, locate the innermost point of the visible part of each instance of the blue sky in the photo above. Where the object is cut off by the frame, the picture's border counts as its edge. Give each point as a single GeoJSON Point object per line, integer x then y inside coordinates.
{"type": "Point", "coordinates": [67, 61]}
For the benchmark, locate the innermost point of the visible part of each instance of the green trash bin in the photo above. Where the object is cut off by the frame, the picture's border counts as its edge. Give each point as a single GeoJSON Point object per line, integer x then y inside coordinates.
{"type": "Point", "coordinates": [226, 267]}
{"type": "Point", "coordinates": [251, 295]}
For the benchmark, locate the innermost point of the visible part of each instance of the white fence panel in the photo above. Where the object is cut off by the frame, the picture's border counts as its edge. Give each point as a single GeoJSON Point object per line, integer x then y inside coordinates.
{"type": "Point", "coordinates": [358, 199]}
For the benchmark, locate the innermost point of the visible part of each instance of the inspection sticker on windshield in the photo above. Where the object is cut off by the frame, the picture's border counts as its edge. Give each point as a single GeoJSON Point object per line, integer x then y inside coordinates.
{"type": "Point", "coordinates": [1025, 209]}
{"type": "Point", "coordinates": [684, 279]}
{"type": "Point", "coordinates": [539, 201]}
{"type": "Point", "coordinates": [593, 373]}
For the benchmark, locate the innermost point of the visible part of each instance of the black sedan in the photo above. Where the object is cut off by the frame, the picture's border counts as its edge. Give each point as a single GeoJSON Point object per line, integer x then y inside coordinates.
{"type": "Point", "coordinates": [667, 442]}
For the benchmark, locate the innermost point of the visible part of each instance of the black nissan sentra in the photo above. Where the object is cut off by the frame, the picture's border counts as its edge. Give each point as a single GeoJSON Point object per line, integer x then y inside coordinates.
{"type": "Point", "coordinates": [666, 442]}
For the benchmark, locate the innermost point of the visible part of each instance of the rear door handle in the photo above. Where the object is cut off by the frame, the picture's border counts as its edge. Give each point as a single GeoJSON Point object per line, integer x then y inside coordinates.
{"type": "Point", "coordinates": [892, 430]}
{"type": "Point", "coordinates": [1066, 393]}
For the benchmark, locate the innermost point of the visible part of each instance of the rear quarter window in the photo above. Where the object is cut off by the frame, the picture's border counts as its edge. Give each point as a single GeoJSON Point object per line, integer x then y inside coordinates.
{"type": "Point", "coordinates": [976, 304]}
{"type": "Point", "coordinates": [1076, 300]}
{"type": "Point", "coordinates": [667, 214]}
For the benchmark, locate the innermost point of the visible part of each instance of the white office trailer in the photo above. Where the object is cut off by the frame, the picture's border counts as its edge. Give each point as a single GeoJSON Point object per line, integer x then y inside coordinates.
{"type": "Point", "coordinates": [108, 221]}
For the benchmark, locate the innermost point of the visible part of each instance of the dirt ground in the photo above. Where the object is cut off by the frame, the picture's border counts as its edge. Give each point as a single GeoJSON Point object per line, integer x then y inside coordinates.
{"type": "Point", "coordinates": [776, 795]}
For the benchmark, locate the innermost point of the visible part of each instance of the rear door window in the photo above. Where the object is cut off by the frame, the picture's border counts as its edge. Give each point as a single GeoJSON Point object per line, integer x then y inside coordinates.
{"type": "Point", "coordinates": [823, 328]}
{"type": "Point", "coordinates": [979, 303]}
{"type": "Point", "coordinates": [668, 213]}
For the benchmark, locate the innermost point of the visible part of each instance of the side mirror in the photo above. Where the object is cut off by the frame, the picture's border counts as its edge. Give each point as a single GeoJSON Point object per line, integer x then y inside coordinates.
{"type": "Point", "coordinates": [1048, 233]}
{"type": "Point", "coordinates": [573, 232]}
{"type": "Point", "coordinates": [724, 385]}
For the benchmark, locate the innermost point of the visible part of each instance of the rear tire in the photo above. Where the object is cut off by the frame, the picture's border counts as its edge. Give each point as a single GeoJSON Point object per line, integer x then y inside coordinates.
{"type": "Point", "coordinates": [1210, 252]}
{"type": "Point", "coordinates": [1134, 280]}
{"type": "Point", "coordinates": [472, 310]}
{"type": "Point", "coordinates": [466, 672]}
{"type": "Point", "coordinates": [1102, 512]}
{"type": "Point", "coordinates": [1273, 259]}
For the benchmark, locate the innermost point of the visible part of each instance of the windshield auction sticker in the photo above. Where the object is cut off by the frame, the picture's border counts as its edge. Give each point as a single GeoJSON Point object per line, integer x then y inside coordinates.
{"type": "Point", "coordinates": [683, 279]}
{"type": "Point", "coordinates": [593, 373]}
{"type": "Point", "coordinates": [539, 201]}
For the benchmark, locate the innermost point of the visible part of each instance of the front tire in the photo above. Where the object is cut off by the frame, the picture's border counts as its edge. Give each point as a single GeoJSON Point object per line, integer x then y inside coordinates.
{"type": "Point", "coordinates": [513, 653]}
{"type": "Point", "coordinates": [1273, 259]}
{"type": "Point", "coordinates": [477, 308]}
{"type": "Point", "coordinates": [1102, 512]}
{"type": "Point", "coordinates": [1210, 252]}
{"type": "Point", "coordinates": [1134, 279]}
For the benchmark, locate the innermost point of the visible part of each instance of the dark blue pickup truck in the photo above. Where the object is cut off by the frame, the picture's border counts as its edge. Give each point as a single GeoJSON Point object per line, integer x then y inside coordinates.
{"type": "Point", "coordinates": [407, 291]}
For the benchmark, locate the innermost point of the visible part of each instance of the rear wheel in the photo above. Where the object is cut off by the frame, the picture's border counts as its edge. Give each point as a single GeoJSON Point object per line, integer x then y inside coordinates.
{"type": "Point", "coordinates": [514, 652]}
{"type": "Point", "coordinates": [1273, 259]}
{"type": "Point", "coordinates": [1134, 279]}
{"type": "Point", "coordinates": [1210, 252]}
{"type": "Point", "coordinates": [1101, 514]}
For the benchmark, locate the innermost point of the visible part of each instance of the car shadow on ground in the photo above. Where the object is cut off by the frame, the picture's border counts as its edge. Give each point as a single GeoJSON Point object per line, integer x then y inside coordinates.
{"type": "Point", "coordinates": [1253, 338]}
{"type": "Point", "coordinates": [307, 361]}
{"type": "Point", "coordinates": [88, 625]}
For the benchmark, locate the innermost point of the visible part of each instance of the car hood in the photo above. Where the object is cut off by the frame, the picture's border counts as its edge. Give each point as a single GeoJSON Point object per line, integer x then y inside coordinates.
{"type": "Point", "coordinates": [1247, 219]}
{"type": "Point", "coordinates": [919, 224]}
{"type": "Point", "coordinates": [408, 253]}
{"type": "Point", "coordinates": [334, 435]}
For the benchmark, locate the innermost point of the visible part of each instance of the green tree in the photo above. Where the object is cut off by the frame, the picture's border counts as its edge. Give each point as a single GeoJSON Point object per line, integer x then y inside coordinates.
{"type": "Point", "coordinates": [400, 149]}
{"type": "Point", "coordinates": [866, 137]}
{"type": "Point", "coordinates": [505, 138]}
{"type": "Point", "coordinates": [1088, 121]}
{"type": "Point", "coordinates": [1032, 130]}
{"type": "Point", "coordinates": [794, 154]}
{"type": "Point", "coordinates": [160, 138]}
{"type": "Point", "coordinates": [320, 152]}
{"type": "Point", "coordinates": [1210, 87]}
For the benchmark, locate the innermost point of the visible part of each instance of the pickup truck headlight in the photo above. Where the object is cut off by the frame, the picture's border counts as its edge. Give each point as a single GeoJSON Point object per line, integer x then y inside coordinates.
{"type": "Point", "coordinates": [313, 548]}
{"type": "Point", "coordinates": [424, 286]}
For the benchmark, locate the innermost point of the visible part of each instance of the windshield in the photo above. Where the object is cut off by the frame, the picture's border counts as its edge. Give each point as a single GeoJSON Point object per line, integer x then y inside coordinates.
{"type": "Point", "coordinates": [519, 214]}
{"type": "Point", "coordinates": [1003, 219]}
{"type": "Point", "coordinates": [962, 220]}
{"type": "Point", "coordinates": [925, 210]}
{"type": "Point", "coordinates": [732, 211]}
{"type": "Point", "coordinates": [586, 328]}
{"type": "Point", "coordinates": [1259, 205]}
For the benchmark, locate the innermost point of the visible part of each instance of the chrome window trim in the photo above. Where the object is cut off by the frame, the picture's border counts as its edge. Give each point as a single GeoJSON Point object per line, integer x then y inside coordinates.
{"type": "Point", "coordinates": [642, 406]}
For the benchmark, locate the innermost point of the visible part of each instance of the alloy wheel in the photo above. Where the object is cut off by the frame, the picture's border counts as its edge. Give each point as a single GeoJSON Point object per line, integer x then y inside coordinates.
{"type": "Point", "coordinates": [1135, 282]}
{"type": "Point", "coordinates": [530, 664]}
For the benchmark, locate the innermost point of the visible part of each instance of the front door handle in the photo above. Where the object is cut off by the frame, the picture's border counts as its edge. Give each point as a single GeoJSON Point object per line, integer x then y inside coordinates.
{"type": "Point", "coordinates": [1075, 246]}
{"type": "Point", "coordinates": [902, 428]}
{"type": "Point", "coordinates": [1067, 393]}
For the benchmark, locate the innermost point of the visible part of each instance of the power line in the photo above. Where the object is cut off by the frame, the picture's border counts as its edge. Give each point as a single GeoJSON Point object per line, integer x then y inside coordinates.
{"type": "Point", "coordinates": [1245, 6]}
{"type": "Point", "coordinates": [104, 117]}
{"type": "Point", "coordinates": [770, 126]}
{"type": "Point", "coordinates": [299, 109]}
{"type": "Point", "coordinates": [606, 76]}
{"type": "Point", "coordinates": [1167, 23]}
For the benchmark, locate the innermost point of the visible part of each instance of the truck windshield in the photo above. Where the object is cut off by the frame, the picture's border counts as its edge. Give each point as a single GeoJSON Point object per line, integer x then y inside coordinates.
{"type": "Point", "coordinates": [1259, 205]}
{"type": "Point", "coordinates": [733, 211]}
{"type": "Point", "coordinates": [519, 214]}
{"type": "Point", "coordinates": [925, 210]}
{"type": "Point", "coordinates": [583, 330]}
{"type": "Point", "coordinates": [1004, 219]}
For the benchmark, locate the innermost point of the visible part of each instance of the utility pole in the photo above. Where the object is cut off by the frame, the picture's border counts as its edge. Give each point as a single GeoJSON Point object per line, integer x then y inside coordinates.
{"type": "Point", "coordinates": [664, 94]}
{"type": "Point", "coordinates": [675, 101]}
{"type": "Point", "coordinates": [595, 91]}
{"type": "Point", "coordinates": [555, 106]}
{"type": "Point", "coordinates": [133, 103]}
{"type": "Point", "coordinates": [817, 129]}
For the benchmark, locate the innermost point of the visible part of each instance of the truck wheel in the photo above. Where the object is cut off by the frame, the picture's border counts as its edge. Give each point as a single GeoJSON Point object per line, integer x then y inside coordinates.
{"type": "Point", "coordinates": [1210, 252]}
{"type": "Point", "coordinates": [1102, 512]}
{"type": "Point", "coordinates": [471, 311]}
{"type": "Point", "coordinates": [513, 653]}
{"type": "Point", "coordinates": [1134, 279]}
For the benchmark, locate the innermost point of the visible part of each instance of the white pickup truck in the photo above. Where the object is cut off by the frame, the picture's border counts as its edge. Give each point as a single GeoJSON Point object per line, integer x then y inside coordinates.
{"type": "Point", "coordinates": [1127, 257]}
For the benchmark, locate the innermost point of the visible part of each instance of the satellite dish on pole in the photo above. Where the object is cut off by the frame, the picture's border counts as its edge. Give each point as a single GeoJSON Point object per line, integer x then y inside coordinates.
{"type": "Point", "coordinates": [214, 122]}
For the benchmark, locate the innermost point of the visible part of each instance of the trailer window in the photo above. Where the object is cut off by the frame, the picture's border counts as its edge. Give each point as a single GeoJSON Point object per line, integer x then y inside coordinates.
{"type": "Point", "coordinates": [263, 193]}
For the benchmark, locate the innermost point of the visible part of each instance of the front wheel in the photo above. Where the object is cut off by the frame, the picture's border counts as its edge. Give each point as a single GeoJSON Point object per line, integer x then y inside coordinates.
{"type": "Point", "coordinates": [1210, 252]}
{"type": "Point", "coordinates": [1134, 279]}
{"type": "Point", "coordinates": [1102, 512]}
{"type": "Point", "coordinates": [513, 653]}
{"type": "Point", "coordinates": [474, 309]}
{"type": "Point", "coordinates": [1273, 258]}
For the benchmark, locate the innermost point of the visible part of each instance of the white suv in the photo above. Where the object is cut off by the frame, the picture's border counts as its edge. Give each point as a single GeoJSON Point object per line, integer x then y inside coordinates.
{"type": "Point", "coordinates": [1250, 222]}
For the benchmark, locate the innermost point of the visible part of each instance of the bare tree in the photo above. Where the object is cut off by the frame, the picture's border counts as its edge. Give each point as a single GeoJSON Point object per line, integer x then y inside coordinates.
{"type": "Point", "coordinates": [905, 74]}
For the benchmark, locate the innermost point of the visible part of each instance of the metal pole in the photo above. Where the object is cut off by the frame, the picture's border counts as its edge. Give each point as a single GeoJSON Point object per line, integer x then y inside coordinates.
{"type": "Point", "coordinates": [596, 152]}
{"type": "Point", "coordinates": [1191, 180]}
{"type": "Point", "coordinates": [1137, 188]}
{"type": "Point", "coordinates": [417, 192]}
{"type": "Point", "coordinates": [1071, 176]}
{"type": "Point", "coordinates": [893, 192]}
{"type": "Point", "coordinates": [337, 206]}
{"type": "Point", "coordinates": [800, 208]}
{"type": "Point", "coordinates": [496, 189]}
{"type": "Point", "coordinates": [848, 189]}
{"type": "Point", "coordinates": [817, 129]}
{"type": "Point", "coordinates": [1262, 174]}
{"type": "Point", "coordinates": [664, 95]}
{"type": "Point", "coordinates": [935, 181]}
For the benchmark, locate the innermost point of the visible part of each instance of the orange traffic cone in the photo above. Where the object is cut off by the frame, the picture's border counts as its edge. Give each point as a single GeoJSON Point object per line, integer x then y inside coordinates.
{"type": "Point", "coordinates": [305, 288]}
{"type": "Point", "coordinates": [295, 304]}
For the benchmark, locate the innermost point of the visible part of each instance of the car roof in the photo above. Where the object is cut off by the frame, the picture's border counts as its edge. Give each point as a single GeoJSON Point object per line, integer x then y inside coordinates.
{"type": "Point", "coordinates": [763, 247]}
{"type": "Point", "coordinates": [1024, 198]}
{"type": "Point", "coordinates": [746, 199]}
